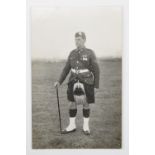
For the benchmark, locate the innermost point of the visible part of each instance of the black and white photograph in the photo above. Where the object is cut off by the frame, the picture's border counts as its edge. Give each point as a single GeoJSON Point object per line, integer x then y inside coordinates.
{"type": "Point", "coordinates": [77, 77]}
{"type": "Point", "coordinates": [76, 68]}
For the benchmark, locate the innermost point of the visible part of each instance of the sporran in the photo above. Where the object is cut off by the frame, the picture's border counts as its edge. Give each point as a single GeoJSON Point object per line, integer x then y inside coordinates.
{"type": "Point", "coordinates": [79, 93]}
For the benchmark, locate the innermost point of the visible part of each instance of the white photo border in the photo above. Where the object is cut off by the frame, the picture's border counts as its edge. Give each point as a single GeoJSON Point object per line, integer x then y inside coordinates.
{"type": "Point", "coordinates": [125, 82]}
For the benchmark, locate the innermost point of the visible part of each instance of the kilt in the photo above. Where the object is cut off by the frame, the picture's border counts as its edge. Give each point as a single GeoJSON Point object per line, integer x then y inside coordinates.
{"type": "Point", "coordinates": [89, 91]}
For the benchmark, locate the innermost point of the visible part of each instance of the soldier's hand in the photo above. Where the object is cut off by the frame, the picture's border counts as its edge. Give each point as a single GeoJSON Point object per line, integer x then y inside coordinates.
{"type": "Point", "coordinates": [56, 84]}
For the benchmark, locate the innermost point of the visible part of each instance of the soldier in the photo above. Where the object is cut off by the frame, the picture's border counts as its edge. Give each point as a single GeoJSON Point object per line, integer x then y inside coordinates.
{"type": "Point", "coordinates": [83, 80]}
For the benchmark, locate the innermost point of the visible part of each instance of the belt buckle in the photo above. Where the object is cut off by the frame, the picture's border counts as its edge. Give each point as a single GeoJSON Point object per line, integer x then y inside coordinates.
{"type": "Point", "coordinates": [77, 71]}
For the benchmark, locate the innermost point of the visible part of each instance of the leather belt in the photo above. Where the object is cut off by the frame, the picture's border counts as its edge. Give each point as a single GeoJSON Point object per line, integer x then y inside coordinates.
{"type": "Point", "coordinates": [77, 71]}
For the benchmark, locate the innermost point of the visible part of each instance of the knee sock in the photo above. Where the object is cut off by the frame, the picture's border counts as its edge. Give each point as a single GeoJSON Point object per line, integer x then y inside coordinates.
{"type": "Point", "coordinates": [86, 113]}
{"type": "Point", "coordinates": [72, 114]}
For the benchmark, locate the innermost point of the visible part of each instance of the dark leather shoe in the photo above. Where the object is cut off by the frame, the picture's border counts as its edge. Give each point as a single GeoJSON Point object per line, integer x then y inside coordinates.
{"type": "Point", "coordinates": [86, 132]}
{"type": "Point", "coordinates": [66, 132]}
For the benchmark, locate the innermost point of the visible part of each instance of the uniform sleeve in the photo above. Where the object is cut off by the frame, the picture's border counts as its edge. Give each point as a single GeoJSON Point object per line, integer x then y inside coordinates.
{"type": "Point", "coordinates": [95, 69]}
{"type": "Point", "coordinates": [65, 71]}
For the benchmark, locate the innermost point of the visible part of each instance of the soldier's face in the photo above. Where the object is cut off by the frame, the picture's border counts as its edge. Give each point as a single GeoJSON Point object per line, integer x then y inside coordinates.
{"type": "Point", "coordinates": [79, 41]}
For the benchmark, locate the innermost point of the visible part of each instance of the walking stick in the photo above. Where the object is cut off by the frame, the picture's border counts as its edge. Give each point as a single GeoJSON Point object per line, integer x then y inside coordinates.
{"type": "Point", "coordinates": [58, 107]}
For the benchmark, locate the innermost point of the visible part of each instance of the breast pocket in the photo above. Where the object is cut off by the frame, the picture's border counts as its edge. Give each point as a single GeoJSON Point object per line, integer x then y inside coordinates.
{"type": "Point", "coordinates": [85, 61]}
{"type": "Point", "coordinates": [84, 57]}
{"type": "Point", "coordinates": [72, 61]}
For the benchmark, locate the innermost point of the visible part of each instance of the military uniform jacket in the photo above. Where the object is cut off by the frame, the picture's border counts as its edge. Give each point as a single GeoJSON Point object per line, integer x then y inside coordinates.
{"type": "Point", "coordinates": [79, 59]}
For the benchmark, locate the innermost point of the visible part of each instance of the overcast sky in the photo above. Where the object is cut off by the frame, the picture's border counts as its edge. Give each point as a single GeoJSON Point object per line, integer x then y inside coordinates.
{"type": "Point", "coordinates": [53, 31]}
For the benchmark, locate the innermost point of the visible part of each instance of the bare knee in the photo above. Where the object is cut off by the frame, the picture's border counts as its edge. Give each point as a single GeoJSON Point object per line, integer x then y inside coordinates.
{"type": "Point", "coordinates": [73, 105]}
{"type": "Point", "coordinates": [85, 105]}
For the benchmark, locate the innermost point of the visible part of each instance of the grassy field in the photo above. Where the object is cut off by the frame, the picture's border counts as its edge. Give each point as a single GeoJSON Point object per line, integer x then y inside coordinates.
{"type": "Point", "coordinates": [105, 120]}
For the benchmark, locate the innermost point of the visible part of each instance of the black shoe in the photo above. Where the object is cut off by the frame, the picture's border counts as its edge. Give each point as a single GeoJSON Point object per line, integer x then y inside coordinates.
{"type": "Point", "coordinates": [66, 132]}
{"type": "Point", "coordinates": [86, 132]}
